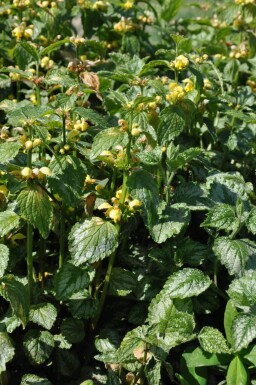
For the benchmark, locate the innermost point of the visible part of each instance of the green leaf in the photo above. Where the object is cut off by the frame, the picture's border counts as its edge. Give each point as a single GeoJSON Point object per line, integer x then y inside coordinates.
{"type": "Point", "coordinates": [153, 64]}
{"type": "Point", "coordinates": [82, 305]}
{"type": "Point", "coordinates": [237, 373]}
{"type": "Point", "coordinates": [7, 351]}
{"type": "Point", "coordinates": [31, 113]}
{"type": "Point", "coordinates": [43, 314]}
{"type": "Point", "coordinates": [182, 158]}
{"type": "Point", "coordinates": [107, 341]}
{"type": "Point", "coordinates": [227, 188]}
{"type": "Point", "coordinates": [38, 346]}
{"type": "Point", "coordinates": [212, 340]}
{"type": "Point", "coordinates": [93, 117]}
{"type": "Point", "coordinates": [151, 157]}
{"type": "Point", "coordinates": [242, 291]}
{"type": "Point", "coordinates": [162, 308]}
{"type": "Point", "coordinates": [251, 221]}
{"type": "Point", "coordinates": [106, 140]}
{"type": "Point", "coordinates": [237, 255]}
{"type": "Point", "coordinates": [143, 187]}
{"type": "Point", "coordinates": [32, 379]}
{"type": "Point", "coordinates": [172, 331]}
{"type": "Point", "coordinates": [192, 195]}
{"type": "Point", "coordinates": [8, 221]}
{"type": "Point", "coordinates": [30, 49]}
{"type": "Point", "coordinates": [67, 362]}
{"type": "Point", "coordinates": [60, 76]}
{"type": "Point", "coordinates": [73, 330]}
{"type": "Point", "coordinates": [186, 283]}
{"type": "Point", "coordinates": [172, 123]}
{"type": "Point", "coordinates": [8, 151]}
{"type": "Point", "coordinates": [169, 223]}
{"type": "Point", "coordinates": [250, 355]}
{"type": "Point", "coordinates": [53, 47]}
{"type": "Point", "coordinates": [92, 240]}
{"type": "Point", "coordinates": [153, 371]}
{"type": "Point", "coordinates": [122, 282]}
{"type": "Point", "coordinates": [199, 357]}
{"type": "Point", "coordinates": [4, 258]}
{"type": "Point", "coordinates": [170, 9]}
{"type": "Point", "coordinates": [36, 208]}
{"type": "Point", "coordinates": [69, 280]}
{"type": "Point", "coordinates": [191, 252]}
{"type": "Point", "coordinates": [9, 322]}
{"type": "Point", "coordinates": [222, 217]}
{"type": "Point", "coordinates": [67, 180]}
{"type": "Point", "coordinates": [17, 294]}
{"type": "Point", "coordinates": [229, 316]}
{"type": "Point", "coordinates": [243, 330]}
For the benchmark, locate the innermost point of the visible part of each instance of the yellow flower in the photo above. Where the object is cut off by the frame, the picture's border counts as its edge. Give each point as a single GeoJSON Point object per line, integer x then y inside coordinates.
{"type": "Point", "coordinates": [89, 180]}
{"type": "Point", "coordinates": [189, 86]}
{"type": "Point", "coordinates": [207, 84]}
{"type": "Point", "coordinates": [180, 62]}
{"type": "Point", "coordinates": [135, 203]}
{"type": "Point", "coordinates": [115, 214]}
{"type": "Point", "coordinates": [17, 32]}
{"type": "Point", "coordinates": [177, 93]}
{"type": "Point", "coordinates": [27, 173]}
{"type": "Point", "coordinates": [128, 5]}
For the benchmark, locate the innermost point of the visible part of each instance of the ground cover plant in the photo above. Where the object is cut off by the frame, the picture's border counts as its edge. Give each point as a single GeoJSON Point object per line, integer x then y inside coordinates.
{"type": "Point", "coordinates": [127, 192]}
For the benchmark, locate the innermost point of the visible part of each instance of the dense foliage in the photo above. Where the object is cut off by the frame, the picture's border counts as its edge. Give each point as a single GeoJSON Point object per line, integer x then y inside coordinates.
{"type": "Point", "coordinates": [127, 192]}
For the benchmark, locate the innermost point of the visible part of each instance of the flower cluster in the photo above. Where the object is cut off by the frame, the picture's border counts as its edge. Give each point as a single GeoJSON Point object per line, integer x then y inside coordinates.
{"type": "Point", "coordinates": [124, 25]}
{"type": "Point", "coordinates": [46, 63]}
{"type": "Point", "coordinates": [113, 211]}
{"type": "Point", "coordinates": [39, 173]}
{"type": "Point", "coordinates": [180, 62]}
{"type": "Point", "coordinates": [178, 92]}
{"type": "Point", "coordinates": [23, 31]}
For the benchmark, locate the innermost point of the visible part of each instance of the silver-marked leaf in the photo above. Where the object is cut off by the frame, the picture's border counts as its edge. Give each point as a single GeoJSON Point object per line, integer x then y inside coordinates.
{"type": "Point", "coordinates": [251, 221]}
{"type": "Point", "coordinates": [6, 349]}
{"type": "Point", "coordinates": [38, 346]}
{"type": "Point", "coordinates": [242, 291]}
{"type": "Point", "coordinates": [243, 330]}
{"type": "Point", "coordinates": [69, 280]}
{"type": "Point", "coordinates": [169, 223]}
{"type": "Point", "coordinates": [8, 151]}
{"type": "Point", "coordinates": [4, 258]}
{"type": "Point", "coordinates": [212, 340]}
{"type": "Point", "coordinates": [32, 379]}
{"type": "Point", "coordinates": [73, 330]}
{"type": "Point", "coordinates": [92, 240]}
{"type": "Point", "coordinates": [237, 255]}
{"type": "Point", "coordinates": [8, 221]}
{"type": "Point", "coordinates": [43, 314]}
{"type": "Point", "coordinates": [36, 208]}
{"type": "Point", "coordinates": [186, 283]}
{"type": "Point", "coordinates": [106, 140]}
{"type": "Point", "coordinates": [16, 293]}
{"type": "Point", "coordinates": [9, 322]}
{"type": "Point", "coordinates": [221, 217]}
{"type": "Point", "coordinates": [153, 371]}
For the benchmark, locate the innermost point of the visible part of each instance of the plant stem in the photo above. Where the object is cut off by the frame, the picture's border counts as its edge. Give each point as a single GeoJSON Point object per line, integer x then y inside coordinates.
{"type": "Point", "coordinates": [41, 256]}
{"type": "Point", "coordinates": [62, 239]}
{"type": "Point", "coordinates": [30, 261]}
{"type": "Point", "coordinates": [64, 130]}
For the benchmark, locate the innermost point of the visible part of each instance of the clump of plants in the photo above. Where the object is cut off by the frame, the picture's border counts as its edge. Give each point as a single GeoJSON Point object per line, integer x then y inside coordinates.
{"type": "Point", "coordinates": [127, 192]}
